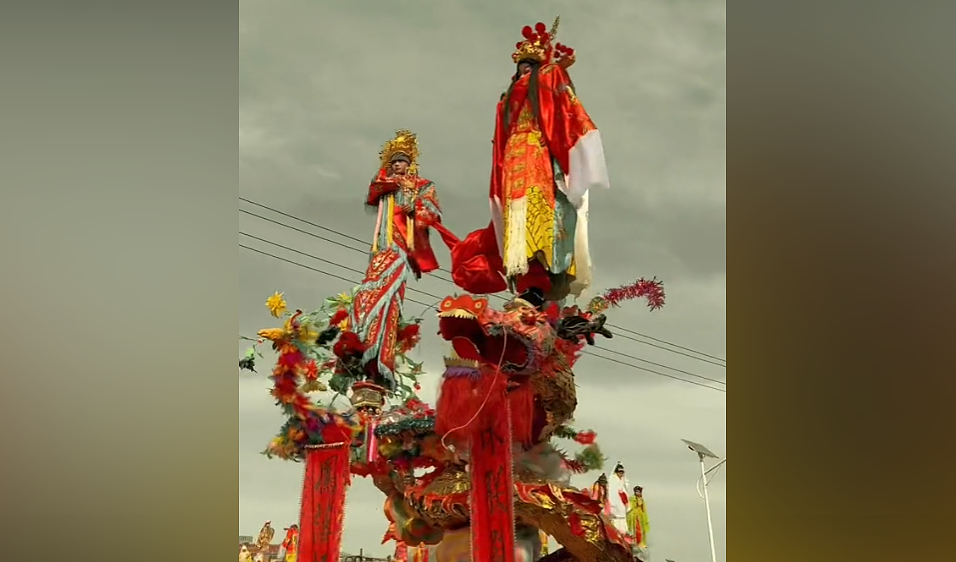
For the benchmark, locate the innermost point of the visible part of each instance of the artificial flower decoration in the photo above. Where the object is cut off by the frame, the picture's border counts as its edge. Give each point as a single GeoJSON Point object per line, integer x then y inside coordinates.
{"type": "Point", "coordinates": [276, 304]}
{"type": "Point", "coordinates": [272, 334]}
{"type": "Point", "coordinates": [318, 354]}
{"type": "Point", "coordinates": [311, 370]}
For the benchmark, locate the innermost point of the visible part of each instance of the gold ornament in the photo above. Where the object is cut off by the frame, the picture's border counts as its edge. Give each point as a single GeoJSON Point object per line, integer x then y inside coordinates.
{"type": "Point", "coordinates": [405, 143]}
{"type": "Point", "coordinates": [538, 49]}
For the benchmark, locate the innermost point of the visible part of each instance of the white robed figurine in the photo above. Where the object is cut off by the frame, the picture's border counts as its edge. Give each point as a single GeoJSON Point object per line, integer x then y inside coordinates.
{"type": "Point", "coordinates": [617, 498]}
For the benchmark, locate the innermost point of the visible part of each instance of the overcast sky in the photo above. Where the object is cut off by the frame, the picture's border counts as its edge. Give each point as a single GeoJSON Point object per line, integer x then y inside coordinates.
{"type": "Point", "coordinates": [324, 84]}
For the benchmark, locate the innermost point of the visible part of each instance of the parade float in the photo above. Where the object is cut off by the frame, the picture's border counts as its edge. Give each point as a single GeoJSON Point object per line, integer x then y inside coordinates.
{"type": "Point", "coordinates": [483, 473]}
{"type": "Point", "coordinates": [507, 392]}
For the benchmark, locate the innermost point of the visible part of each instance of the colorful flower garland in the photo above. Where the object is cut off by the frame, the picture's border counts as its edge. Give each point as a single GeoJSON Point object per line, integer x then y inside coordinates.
{"type": "Point", "coordinates": [312, 357]}
{"type": "Point", "coordinates": [312, 349]}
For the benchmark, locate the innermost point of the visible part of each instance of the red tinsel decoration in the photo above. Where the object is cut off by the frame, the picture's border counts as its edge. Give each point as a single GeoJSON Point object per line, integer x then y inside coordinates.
{"type": "Point", "coordinates": [652, 291]}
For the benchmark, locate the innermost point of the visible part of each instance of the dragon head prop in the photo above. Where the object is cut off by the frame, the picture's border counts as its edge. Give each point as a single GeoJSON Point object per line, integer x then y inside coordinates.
{"type": "Point", "coordinates": [516, 340]}
{"type": "Point", "coordinates": [520, 357]}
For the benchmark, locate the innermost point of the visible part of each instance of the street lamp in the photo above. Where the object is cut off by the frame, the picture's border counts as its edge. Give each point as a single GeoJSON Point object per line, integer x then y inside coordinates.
{"type": "Point", "coordinates": [702, 453]}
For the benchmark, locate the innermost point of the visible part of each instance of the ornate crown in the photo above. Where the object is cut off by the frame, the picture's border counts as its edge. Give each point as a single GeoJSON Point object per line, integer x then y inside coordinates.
{"type": "Point", "coordinates": [404, 143]}
{"type": "Point", "coordinates": [537, 46]}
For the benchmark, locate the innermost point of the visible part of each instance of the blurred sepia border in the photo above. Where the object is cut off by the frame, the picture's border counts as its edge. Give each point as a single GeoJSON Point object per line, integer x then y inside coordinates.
{"type": "Point", "coordinates": [120, 162]}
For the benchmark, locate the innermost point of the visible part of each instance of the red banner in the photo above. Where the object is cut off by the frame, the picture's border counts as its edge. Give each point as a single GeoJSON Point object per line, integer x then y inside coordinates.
{"type": "Point", "coordinates": [492, 490]}
{"type": "Point", "coordinates": [323, 503]}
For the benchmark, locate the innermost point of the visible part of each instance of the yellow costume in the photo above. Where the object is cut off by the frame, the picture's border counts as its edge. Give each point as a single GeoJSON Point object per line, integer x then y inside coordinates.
{"type": "Point", "coordinates": [638, 524]}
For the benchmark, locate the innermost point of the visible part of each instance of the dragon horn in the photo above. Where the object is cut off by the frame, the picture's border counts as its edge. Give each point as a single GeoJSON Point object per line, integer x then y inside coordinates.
{"type": "Point", "coordinates": [554, 26]}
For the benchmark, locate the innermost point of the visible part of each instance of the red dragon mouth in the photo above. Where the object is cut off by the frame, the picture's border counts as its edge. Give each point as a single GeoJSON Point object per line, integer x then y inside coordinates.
{"type": "Point", "coordinates": [459, 321]}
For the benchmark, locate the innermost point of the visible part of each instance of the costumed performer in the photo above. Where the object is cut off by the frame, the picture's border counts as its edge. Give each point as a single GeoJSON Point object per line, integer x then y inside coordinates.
{"type": "Point", "coordinates": [420, 554]}
{"type": "Point", "coordinates": [547, 154]}
{"type": "Point", "coordinates": [265, 536]}
{"type": "Point", "coordinates": [599, 493]}
{"type": "Point", "coordinates": [617, 498]}
{"type": "Point", "coordinates": [407, 207]}
{"type": "Point", "coordinates": [244, 554]}
{"type": "Point", "coordinates": [638, 524]}
{"type": "Point", "coordinates": [289, 547]}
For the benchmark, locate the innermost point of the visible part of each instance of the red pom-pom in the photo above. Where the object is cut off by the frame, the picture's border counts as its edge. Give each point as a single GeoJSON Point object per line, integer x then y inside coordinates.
{"type": "Point", "coordinates": [570, 51]}
{"type": "Point", "coordinates": [349, 345]}
{"type": "Point", "coordinates": [527, 31]}
{"type": "Point", "coordinates": [338, 317]}
{"type": "Point", "coordinates": [540, 28]}
{"type": "Point", "coordinates": [408, 337]}
{"type": "Point", "coordinates": [585, 437]}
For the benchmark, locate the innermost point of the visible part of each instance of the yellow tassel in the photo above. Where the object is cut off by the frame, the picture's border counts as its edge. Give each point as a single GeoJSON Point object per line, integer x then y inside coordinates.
{"type": "Point", "coordinates": [391, 217]}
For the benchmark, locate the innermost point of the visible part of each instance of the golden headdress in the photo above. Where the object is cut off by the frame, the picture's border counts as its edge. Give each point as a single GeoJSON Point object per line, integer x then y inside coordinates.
{"type": "Point", "coordinates": [405, 143]}
{"type": "Point", "coordinates": [537, 46]}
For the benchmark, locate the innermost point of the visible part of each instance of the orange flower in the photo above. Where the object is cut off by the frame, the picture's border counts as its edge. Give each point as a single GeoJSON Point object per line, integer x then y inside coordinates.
{"type": "Point", "coordinates": [272, 334]}
{"type": "Point", "coordinates": [311, 370]}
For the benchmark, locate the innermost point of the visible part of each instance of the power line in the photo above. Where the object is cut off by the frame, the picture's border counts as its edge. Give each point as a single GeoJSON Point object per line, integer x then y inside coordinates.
{"type": "Point", "coordinates": [427, 306]}
{"type": "Point", "coordinates": [439, 299]}
{"type": "Point", "coordinates": [695, 375]}
{"type": "Point", "coordinates": [329, 262]}
{"type": "Point", "coordinates": [674, 351]}
{"type": "Point", "coordinates": [591, 353]}
{"type": "Point", "coordinates": [306, 232]}
{"type": "Point", "coordinates": [344, 235]}
{"type": "Point", "coordinates": [339, 277]}
{"type": "Point", "coordinates": [303, 221]}
{"type": "Point", "coordinates": [724, 364]}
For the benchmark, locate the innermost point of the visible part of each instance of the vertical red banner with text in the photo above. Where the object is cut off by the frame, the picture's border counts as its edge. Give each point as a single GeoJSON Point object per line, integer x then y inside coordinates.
{"type": "Point", "coordinates": [323, 503]}
{"type": "Point", "coordinates": [492, 489]}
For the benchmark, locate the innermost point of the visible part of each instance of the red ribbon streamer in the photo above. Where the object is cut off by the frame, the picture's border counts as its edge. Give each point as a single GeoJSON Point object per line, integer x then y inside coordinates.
{"type": "Point", "coordinates": [323, 503]}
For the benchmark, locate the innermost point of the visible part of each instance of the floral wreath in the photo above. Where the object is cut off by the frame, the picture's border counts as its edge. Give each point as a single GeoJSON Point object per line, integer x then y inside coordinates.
{"type": "Point", "coordinates": [317, 353]}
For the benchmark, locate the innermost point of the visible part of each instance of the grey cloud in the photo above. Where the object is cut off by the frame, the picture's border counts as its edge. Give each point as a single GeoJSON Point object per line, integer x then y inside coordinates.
{"type": "Point", "coordinates": [324, 84]}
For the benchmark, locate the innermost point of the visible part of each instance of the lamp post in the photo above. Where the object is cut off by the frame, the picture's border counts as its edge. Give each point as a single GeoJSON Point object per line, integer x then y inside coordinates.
{"type": "Point", "coordinates": [702, 453]}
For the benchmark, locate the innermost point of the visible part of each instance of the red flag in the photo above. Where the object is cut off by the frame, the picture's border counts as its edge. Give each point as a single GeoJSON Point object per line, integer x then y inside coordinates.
{"type": "Point", "coordinates": [323, 503]}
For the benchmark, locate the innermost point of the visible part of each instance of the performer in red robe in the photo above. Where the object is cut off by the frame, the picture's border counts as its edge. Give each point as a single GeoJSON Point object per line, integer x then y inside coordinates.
{"type": "Point", "coordinates": [547, 155]}
{"type": "Point", "coordinates": [420, 554]}
{"type": "Point", "coordinates": [407, 207]}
